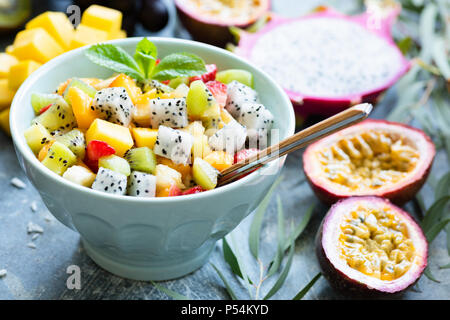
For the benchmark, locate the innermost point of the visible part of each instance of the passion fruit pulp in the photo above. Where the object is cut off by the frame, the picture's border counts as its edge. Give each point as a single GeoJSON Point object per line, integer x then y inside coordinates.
{"type": "Point", "coordinates": [367, 245]}
{"type": "Point", "coordinates": [374, 157]}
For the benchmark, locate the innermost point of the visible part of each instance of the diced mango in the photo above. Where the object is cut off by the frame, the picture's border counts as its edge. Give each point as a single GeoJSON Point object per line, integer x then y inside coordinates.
{"type": "Point", "coordinates": [20, 72]}
{"type": "Point", "coordinates": [81, 106]}
{"type": "Point", "coordinates": [145, 137]}
{"type": "Point", "coordinates": [102, 18]}
{"type": "Point", "coordinates": [6, 61]}
{"type": "Point", "coordinates": [124, 81]}
{"type": "Point", "coordinates": [121, 34]}
{"type": "Point", "coordinates": [4, 121]}
{"type": "Point", "coordinates": [6, 94]}
{"type": "Point", "coordinates": [56, 24]}
{"type": "Point", "coordinates": [85, 35]}
{"type": "Point", "coordinates": [36, 44]}
{"type": "Point", "coordinates": [115, 135]}
{"type": "Point", "coordinates": [220, 160]}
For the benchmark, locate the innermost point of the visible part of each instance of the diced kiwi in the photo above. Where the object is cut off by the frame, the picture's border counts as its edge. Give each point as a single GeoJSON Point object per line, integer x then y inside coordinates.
{"type": "Point", "coordinates": [37, 136]}
{"type": "Point", "coordinates": [59, 158]}
{"type": "Point", "coordinates": [59, 117]}
{"type": "Point", "coordinates": [80, 175]}
{"type": "Point", "coordinates": [115, 163]}
{"type": "Point", "coordinates": [141, 159]}
{"type": "Point", "coordinates": [211, 120]}
{"type": "Point", "coordinates": [239, 75]}
{"type": "Point", "coordinates": [80, 84]}
{"type": "Point", "coordinates": [199, 99]}
{"type": "Point", "coordinates": [41, 100]}
{"type": "Point", "coordinates": [75, 141]}
{"type": "Point", "coordinates": [174, 83]}
{"type": "Point", "coordinates": [204, 174]}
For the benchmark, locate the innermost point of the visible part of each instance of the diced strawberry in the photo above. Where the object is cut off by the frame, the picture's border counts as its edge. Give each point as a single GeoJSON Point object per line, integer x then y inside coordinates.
{"type": "Point", "coordinates": [45, 109]}
{"type": "Point", "coordinates": [95, 150]}
{"type": "Point", "coordinates": [219, 91]}
{"type": "Point", "coordinates": [157, 62]}
{"type": "Point", "coordinates": [209, 75]}
{"type": "Point", "coordinates": [166, 82]}
{"type": "Point", "coordinates": [174, 191]}
{"type": "Point", "coordinates": [244, 154]}
{"type": "Point", "coordinates": [193, 190]}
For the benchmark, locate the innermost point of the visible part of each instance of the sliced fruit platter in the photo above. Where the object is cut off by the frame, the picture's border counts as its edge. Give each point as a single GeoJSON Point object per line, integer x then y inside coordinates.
{"type": "Point", "coordinates": [168, 131]}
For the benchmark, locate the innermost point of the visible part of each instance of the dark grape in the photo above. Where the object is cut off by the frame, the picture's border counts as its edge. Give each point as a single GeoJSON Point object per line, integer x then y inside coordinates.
{"type": "Point", "coordinates": [154, 15]}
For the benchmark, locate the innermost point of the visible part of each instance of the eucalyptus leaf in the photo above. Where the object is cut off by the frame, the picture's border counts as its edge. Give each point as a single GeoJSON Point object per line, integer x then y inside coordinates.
{"type": "Point", "coordinates": [176, 65]}
{"type": "Point", "coordinates": [427, 30]}
{"type": "Point", "coordinates": [279, 283]}
{"type": "Point", "coordinates": [170, 293]}
{"type": "Point", "coordinates": [239, 260]}
{"type": "Point", "coordinates": [255, 227]}
{"type": "Point", "coordinates": [443, 187]}
{"type": "Point", "coordinates": [440, 57]}
{"type": "Point", "coordinates": [225, 282]}
{"type": "Point", "coordinates": [429, 275]}
{"type": "Point", "coordinates": [304, 291]}
{"type": "Point", "coordinates": [434, 213]}
{"type": "Point", "coordinates": [280, 234]}
{"type": "Point", "coordinates": [446, 266]}
{"type": "Point", "coordinates": [298, 230]}
{"type": "Point", "coordinates": [230, 258]}
{"type": "Point", "coordinates": [115, 59]}
{"type": "Point", "coordinates": [435, 230]}
{"type": "Point", "coordinates": [405, 45]}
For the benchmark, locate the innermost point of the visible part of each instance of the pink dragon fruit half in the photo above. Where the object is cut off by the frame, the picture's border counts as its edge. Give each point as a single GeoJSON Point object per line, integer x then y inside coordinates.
{"type": "Point", "coordinates": [327, 61]}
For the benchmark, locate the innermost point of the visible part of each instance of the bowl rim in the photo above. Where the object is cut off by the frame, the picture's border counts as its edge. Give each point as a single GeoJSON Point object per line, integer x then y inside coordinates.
{"type": "Point", "coordinates": [22, 148]}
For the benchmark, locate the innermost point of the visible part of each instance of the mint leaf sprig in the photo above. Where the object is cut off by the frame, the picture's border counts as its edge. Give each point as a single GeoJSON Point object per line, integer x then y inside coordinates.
{"type": "Point", "coordinates": [142, 66]}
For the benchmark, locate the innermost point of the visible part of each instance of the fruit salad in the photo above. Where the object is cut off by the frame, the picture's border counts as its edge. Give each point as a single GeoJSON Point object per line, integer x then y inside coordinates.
{"type": "Point", "coordinates": [155, 132]}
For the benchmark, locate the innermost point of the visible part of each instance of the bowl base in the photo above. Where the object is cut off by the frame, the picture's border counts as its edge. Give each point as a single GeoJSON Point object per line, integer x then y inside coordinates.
{"type": "Point", "coordinates": [149, 272]}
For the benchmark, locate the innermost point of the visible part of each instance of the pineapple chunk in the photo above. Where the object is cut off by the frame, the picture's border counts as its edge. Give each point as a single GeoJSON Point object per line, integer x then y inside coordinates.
{"type": "Point", "coordinates": [166, 177]}
{"type": "Point", "coordinates": [80, 175]}
{"type": "Point", "coordinates": [81, 107]}
{"type": "Point", "coordinates": [36, 44]}
{"type": "Point", "coordinates": [4, 121]}
{"type": "Point", "coordinates": [115, 135]}
{"type": "Point", "coordinates": [121, 34]}
{"type": "Point", "coordinates": [6, 62]}
{"type": "Point", "coordinates": [85, 35]}
{"type": "Point", "coordinates": [56, 24]}
{"type": "Point", "coordinates": [6, 94]}
{"type": "Point", "coordinates": [102, 18]}
{"type": "Point", "coordinates": [145, 137]}
{"type": "Point", "coordinates": [20, 72]}
{"type": "Point", "coordinates": [37, 136]}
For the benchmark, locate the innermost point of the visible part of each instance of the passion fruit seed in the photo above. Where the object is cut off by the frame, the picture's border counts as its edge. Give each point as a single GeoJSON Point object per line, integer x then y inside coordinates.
{"type": "Point", "coordinates": [368, 160]}
{"type": "Point", "coordinates": [375, 242]}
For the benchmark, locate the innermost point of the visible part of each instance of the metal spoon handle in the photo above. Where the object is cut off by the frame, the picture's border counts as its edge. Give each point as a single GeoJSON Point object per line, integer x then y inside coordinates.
{"type": "Point", "coordinates": [299, 140]}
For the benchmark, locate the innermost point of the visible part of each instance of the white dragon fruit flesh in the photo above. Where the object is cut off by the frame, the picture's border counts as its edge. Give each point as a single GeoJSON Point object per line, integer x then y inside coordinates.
{"type": "Point", "coordinates": [230, 138]}
{"type": "Point", "coordinates": [114, 105]}
{"type": "Point", "coordinates": [174, 144]}
{"type": "Point", "coordinates": [169, 112]}
{"type": "Point", "coordinates": [141, 184]}
{"type": "Point", "coordinates": [258, 121]}
{"type": "Point", "coordinates": [110, 182]}
{"type": "Point", "coordinates": [237, 95]}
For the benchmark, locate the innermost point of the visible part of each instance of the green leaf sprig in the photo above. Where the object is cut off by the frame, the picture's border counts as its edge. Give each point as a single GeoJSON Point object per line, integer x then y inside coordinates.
{"type": "Point", "coordinates": [142, 66]}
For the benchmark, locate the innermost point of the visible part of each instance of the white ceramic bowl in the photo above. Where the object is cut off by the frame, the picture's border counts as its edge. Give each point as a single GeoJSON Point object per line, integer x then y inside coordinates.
{"type": "Point", "coordinates": [146, 239]}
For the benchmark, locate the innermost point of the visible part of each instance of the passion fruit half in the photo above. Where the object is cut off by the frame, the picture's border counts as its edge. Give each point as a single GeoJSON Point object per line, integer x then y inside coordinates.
{"type": "Point", "coordinates": [375, 157]}
{"type": "Point", "coordinates": [209, 20]}
{"type": "Point", "coordinates": [367, 245]}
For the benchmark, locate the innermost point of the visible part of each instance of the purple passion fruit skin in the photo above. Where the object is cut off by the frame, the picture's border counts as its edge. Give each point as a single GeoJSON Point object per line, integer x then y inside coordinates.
{"type": "Point", "coordinates": [352, 282]}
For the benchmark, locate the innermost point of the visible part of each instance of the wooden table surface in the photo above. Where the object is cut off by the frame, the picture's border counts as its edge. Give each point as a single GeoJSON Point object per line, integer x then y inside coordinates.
{"type": "Point", "coordinates": [40, 273]}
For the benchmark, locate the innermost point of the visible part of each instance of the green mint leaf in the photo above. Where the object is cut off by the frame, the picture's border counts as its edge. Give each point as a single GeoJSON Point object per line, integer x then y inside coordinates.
{"type": "Point", "coordinates": [115, 59]}
{"type": "Point", "coordinates": [176, 65]}
{"type": "Point", "coordinates": [145, 56]}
